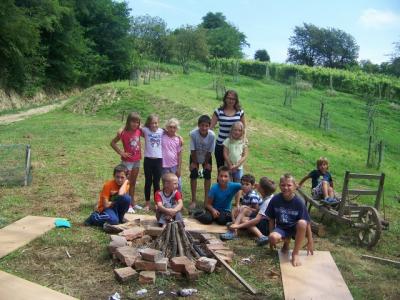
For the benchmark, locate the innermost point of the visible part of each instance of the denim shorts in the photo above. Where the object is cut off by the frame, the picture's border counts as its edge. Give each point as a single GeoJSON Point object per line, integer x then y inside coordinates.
{"type": "Point", "coordinates": [286, 233]}
{"type": "Point", "coordinates": [131, 164]}
{"type": "Point", "coordinates": [237, 175]}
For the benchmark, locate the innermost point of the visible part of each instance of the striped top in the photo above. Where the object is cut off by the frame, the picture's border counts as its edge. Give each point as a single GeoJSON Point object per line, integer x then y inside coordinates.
{"type": "Point", "coordinates": [225, 123]}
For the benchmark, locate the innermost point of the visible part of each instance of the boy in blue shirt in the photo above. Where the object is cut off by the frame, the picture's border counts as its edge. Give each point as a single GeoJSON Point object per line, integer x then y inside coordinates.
{"type": "Point", "coordinates": [219, 202]}
{"type": "Point", "coordinates": [288, 217]}
{"type": "Point", "coordinates": [321, 182]}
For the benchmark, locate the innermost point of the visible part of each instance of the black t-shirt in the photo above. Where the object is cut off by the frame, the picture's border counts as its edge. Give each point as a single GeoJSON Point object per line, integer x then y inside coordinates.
{"type": "Point", "coordinates": [317, 177]}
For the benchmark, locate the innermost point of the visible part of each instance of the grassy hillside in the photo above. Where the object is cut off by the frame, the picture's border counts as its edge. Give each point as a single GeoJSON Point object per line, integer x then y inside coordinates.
{"type": "Point", "coordinates": [72, 157]}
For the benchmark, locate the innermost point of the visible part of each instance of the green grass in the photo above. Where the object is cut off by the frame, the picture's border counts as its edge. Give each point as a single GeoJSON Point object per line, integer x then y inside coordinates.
{"type": "Point", "coordinates": [72, 158]}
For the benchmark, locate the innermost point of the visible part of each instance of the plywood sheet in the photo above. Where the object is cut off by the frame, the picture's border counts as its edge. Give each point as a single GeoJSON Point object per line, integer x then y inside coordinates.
{"type": "Point", "coordinates": [22, 232]}
{"type": "Point", "coordinates": [16, 288]}
{"type": "Point", "coordinates": [190, 224]}
{"type": "Point", "coordinates": [317, 278]}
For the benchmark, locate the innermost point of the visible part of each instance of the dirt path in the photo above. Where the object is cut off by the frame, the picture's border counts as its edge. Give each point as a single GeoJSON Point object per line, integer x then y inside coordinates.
{"type": "Point", "coordinates": [11, 118]}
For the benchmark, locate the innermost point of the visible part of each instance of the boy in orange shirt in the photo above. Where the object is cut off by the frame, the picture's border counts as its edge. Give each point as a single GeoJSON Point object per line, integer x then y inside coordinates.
{"type": "Point", "coordinates": [114, 200]}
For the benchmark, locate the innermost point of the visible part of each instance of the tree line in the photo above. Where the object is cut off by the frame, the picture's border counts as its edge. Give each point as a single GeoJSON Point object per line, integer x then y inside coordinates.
{"type": "Point", "coordinates": [59, 44]}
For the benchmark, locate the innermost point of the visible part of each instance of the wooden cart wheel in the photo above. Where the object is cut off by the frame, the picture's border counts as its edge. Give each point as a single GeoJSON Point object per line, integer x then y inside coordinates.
{"type": "Point", "coordinates": [370, 234]}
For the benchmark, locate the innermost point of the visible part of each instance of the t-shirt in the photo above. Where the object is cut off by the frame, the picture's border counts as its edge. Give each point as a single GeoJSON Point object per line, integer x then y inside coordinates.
{"type": "Point", "coordinates": [264, 205]}
{"type": "Point", "coordinates": [225, 123]}
{"type": "Point", "coordinates": [235, 149]}
{"type": "Point", "coordinates": [171, 147]}
{"type": "Point", "coordinates": [251, 198]}
{"type": "Point", "coordinates": [287, 213]}
{"type": "Point", "coordinates": [109, 191]}
{"type": "Point", "coordinates": [152, 139]}
{"type": "Point", "coordinates": [202, 145]}
{"type": "Point", "coordinates": [168, 201]}
{"type": "Point", "coordinates": [222, 199]}
{"type": "Point", "coordinates": [131, 143]}
{"type": "Point", "coordinates": [317, 177]}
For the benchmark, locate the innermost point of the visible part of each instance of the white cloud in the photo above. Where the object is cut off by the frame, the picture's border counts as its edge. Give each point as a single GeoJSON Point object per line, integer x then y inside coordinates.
{"type": "Point", "coordinates": [373, 18]}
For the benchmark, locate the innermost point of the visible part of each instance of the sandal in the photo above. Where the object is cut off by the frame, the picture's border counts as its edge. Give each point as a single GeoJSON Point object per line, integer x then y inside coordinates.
{"type": "Point", "coordinates": [262, 240]}
{"type": "Point", "coordinates": [227, 236]}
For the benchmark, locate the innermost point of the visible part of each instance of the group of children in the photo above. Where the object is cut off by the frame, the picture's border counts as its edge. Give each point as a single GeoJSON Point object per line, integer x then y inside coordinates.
{"type": "Point", "coordinates": [271, 218]}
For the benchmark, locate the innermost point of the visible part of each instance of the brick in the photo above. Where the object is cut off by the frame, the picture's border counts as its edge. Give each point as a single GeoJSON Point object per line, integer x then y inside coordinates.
{"type": "Point", "coordinates": [205, 237]}
{"type": "Point", "coordinates": [150, 254]}
{"type": "Point", "coordinates": [127, 255]}
{"type": "Point", "coordinates": [144, 265]}
{"type": "Point", "coordinates": [125, 274]}
{"type": "Point", "coordinates": [144, 240]}
{"type": "Point", "coordinates": [133, 233]}
{"type": "Point", "coordinates": [214, 241]}
{"type": "Point", "coordinates": [206, 264]}
{"type": "Point", "coordinates": [154, 231]}
{"type": "Point", "coordinates": [225, 258]}
{"type": "Point", "coordinates": [191, 272]}
{"type": "Point", "coordinates": [147, 277]}
{"type": "Point", "coordinates": [116, 243]}
{"type": "Point", "coordinates": [213, 247]}
{"type": "Point", "coordinates": [162, 264]}
{"type": "Point", "coordinates": [179, 263]}
{"type": "Point", "coordinates": [228, 253]}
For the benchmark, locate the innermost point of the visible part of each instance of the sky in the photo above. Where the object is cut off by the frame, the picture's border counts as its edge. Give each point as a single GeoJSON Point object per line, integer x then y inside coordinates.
{"type": "Point", "coordinates": [268, 24]}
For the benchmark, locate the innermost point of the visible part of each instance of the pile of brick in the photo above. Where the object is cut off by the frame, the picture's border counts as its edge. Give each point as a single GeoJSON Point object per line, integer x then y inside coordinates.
{"type": "Point", "coordinates": [134, 248]}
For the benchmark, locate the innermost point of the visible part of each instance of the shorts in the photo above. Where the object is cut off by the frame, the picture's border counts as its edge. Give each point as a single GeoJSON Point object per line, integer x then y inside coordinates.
{"type": "Point", "coordinates": [263, 226]}
{"type": "Point", "coordinates": [317, 192]}
{"type": "Point", "coordinates": [194, 174]}
{"type": "Point", "coordinates": [286, 233]}
{"type": "Point", "coordinates": [237, 175]}
{"type": "Point", "coordinates": [131, 164]}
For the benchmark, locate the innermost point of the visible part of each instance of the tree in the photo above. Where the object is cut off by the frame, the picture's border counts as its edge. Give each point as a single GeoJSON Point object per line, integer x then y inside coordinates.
{"type": "Point", "coordinates": [329, 47]}
{"type": "Point", "coordinates": [262, 55]}
{"type": "Point", "coordinates": [150, 37]}
{"type": "Point", "coordinates": [223, 38]}
{"type": "Point", "coordinates": [188, 43]}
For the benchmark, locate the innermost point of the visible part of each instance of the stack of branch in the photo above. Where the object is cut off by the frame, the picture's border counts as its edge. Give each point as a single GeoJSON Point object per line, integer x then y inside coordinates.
{"type": "Point", "coordinates": [176, 241]}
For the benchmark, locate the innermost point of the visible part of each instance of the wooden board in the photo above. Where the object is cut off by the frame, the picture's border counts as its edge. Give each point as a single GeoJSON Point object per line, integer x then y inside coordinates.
{"type": "Point", "coordinates": [22, 232]}
{"type": "Point", "coordinates": [317, 278]}
{"type": "Point", "coordinates": [190, 224]}
{"type": "Point", "coordinates": [13, 287]}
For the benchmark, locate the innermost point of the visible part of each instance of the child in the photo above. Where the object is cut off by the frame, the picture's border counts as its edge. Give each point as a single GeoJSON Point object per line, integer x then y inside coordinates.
{"type": "Point", "coordinates": [258, 225]}
{"type": "Point", "coordinates": [130, 157]}
{"type": "Point", "coordinates": [172, 150]}
{"type": "Point", "coordinates": [288, 217]}
{"type": "Point", "coordinates": [202, 144]}
{"type": "Point", "coordinates": [168, 201]}
{"type": "Point", "coordinates": [249, 205]}
{"type": "Point", "coordinates": [322, 182]}
{"type": "Point", "coordinates": [114, 200]}
{"type": "Point", "coordinates": [152, 157]}
{"type": "Point", "coordinates": [219, 201]}
{"type": "Point", "coordinates": [235, 150]}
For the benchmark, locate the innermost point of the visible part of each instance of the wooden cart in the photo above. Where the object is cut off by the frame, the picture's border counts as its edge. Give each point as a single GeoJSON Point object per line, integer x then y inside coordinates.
{"type": "Point", "coordinates": [366, 219]}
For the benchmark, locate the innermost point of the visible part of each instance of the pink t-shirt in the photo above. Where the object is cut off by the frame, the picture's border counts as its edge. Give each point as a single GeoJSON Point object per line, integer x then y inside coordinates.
{"type": "Point", "coordinates": [171, 147]}
{"type": "Point", "coordinates": [131, 142]}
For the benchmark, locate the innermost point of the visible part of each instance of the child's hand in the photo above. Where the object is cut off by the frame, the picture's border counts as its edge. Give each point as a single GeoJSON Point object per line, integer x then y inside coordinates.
{"type": "Point", "coordinates": [234, 226]}
{"type": "Point", "coordinates": [126, 155]}
{"type": "Point", "coordinates": [215, 213]}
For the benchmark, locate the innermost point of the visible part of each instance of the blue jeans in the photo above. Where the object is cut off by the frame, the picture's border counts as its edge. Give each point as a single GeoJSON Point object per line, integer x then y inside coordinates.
{"type": "Point", "coordinates": [113, 215]}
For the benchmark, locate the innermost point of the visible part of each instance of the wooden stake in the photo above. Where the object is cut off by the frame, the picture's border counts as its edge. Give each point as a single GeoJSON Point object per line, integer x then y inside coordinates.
{"type": "Point", "coordinates": [380, 259]}
{"type": "Point", "coordinates": [233, 272]}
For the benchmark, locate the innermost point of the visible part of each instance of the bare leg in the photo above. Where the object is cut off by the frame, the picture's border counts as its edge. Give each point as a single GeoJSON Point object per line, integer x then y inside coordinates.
{"type": "Point", "coordinates": [325, 187]}
{"type": "Point", "coordinates": [285, 247]}
{"type": "Point", "coordinates": [207, 184]}
{"type": "Point", "coordinates": [300, 236]}
{"type": "Point", "coordinates": [193, 189]}
{"type": "Point", "coordinates": [132, 184]}
{"type": "Point", "coordinates": [274, 239]}
{"type": "Point", "coordinates": [331, 193]}
{"type": "Point", "coordinates": [254, 230]}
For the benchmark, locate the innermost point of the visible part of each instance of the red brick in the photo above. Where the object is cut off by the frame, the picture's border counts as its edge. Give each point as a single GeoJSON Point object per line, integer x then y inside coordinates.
{"type": "Point", "coordinates": [127, 255]}
{"type": "Point", "coordinates": [214, 241]}
{"type": "Point", "coordinates": [144, 265]}
{"type": "Point", "coordinates": [147, 277]}
{"type": "Point", "coordinates": [162, 264]}
{"type": "Point", "coordinates": [133, 233]}
{"type": "Point", "coordinates": [178, 263]}
{"type": "Point", "coordinates": [227, 253]}
{"type": "Point", "coordinates": [191, 272]}
{"type": "Point", "coordinates": [205, 237]}
{"type": "Point", "coordinates": [150, 254]}
{"type": "Point", "coordinates": [124, 274]}
{"type": "Point", "coordinates": [154, 231]}
{"type": "Point", "coordinates": [144, 240]}
{"type": "Point", "coordinates": [206, 264]}
{"type": "Point", "coordinates": [116, 243]}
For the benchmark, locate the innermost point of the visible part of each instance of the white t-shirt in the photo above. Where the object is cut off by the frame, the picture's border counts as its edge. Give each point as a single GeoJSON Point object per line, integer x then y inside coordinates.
{"type": "Point", "coordinates": [264, 205]}
{"type": "Point", "coordinates": [202, 145]}
{"type": "Point", "coordinates": [152, 147]}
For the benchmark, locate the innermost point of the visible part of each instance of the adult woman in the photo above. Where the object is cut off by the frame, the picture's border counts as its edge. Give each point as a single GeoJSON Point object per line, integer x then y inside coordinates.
{"type": "Point", "coordinates": [226, 115]}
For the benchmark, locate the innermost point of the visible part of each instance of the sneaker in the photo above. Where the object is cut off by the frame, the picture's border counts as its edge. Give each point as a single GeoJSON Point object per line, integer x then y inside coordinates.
{"type": "Point", "coordinates": [108, 228]}
{"type": "Point", "coordinates": [138, 207]}
{"type": "Point", "coordinates": [229, 224]}
{"type": "Point", "coordinates": [330, 201]}
{"type": "Point", "coordinates": [227, 236]}
{"type": "Point", "coordinates": [130, 210]}
{"type": "Point", "coordinates": [263, 240]}
{"type": "Point", "coordinates": [87, 222]}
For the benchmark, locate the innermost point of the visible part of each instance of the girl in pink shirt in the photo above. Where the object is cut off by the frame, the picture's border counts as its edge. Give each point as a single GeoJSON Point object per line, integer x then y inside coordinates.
{"type": "Point", "coordinates": [131, 153]}
{"type": "Point", "coordinates": [172, 150]}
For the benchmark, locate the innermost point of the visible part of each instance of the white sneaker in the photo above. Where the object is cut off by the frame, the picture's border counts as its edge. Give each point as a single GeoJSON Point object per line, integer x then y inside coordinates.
{"type": "Point", "coordinates": [138, 207]}
{"type": "Point", "coordinates": [130, 210]}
